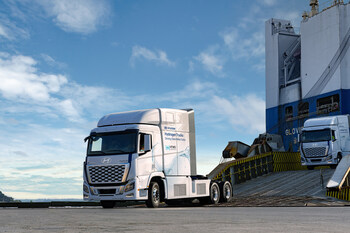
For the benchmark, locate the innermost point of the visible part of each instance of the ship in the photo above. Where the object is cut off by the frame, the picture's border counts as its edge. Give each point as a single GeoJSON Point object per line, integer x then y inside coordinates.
{"type": "Point", "coordinates": [307, 70]}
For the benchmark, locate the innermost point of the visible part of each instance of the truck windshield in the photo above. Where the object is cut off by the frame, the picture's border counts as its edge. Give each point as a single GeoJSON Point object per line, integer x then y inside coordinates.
{"type": "Point", "coordinates": [116, 143]}
{"type": "Point", "coordinates": [316, 136]}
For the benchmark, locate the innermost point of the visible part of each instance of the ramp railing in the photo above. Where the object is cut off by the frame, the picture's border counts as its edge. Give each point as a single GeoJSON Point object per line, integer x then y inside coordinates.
{"type": "Point", "coordinates": [241, 170]}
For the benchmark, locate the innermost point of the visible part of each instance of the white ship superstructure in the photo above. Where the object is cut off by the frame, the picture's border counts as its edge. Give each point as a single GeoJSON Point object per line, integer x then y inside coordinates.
{"type": "Point", "coordinates": [307, 74]}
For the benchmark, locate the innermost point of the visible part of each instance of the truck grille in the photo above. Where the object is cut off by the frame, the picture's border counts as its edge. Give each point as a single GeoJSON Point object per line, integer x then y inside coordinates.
{"type": "Point", "coordinates": [315, 151]}
{"type": "Point", "coordinates": [106, 174]}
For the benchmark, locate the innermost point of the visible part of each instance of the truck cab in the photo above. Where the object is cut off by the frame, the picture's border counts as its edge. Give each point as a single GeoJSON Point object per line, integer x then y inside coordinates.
{"type": "Point", "coordinates": [145, 155]}
{"type": "Point", "coordinates": [324, 141]}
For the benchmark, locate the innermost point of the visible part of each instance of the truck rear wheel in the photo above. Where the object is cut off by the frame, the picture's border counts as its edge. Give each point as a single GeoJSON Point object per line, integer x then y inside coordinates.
{"type": "Point", "coordinates": [107, 204]}
{"type": "Point", "coordinates": [226, 191]}
{"type": "Point", "coordinates": [214, 193]}
{"type": "Point", "coordinates": [153, 195]}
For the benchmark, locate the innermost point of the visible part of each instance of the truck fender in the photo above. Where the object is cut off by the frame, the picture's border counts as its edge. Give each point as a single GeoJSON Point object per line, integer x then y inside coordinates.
{"type": "Point", "coordinates": [160, 178]}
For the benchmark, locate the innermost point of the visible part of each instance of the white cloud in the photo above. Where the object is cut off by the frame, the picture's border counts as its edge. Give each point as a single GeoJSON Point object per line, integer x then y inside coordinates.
{"type": "Point", "coordinates": [244, 41]}
{"type": "Point", "coordinates": [53, 95]}
{"type": "Point", "coordinates": [158, 56]}
{"type": "Point", "coordinates": [244, 113]}
{"type": "Point", "coordinates": [21, 81]}
{"type": "Point", "coordinates": [211, 62]}
{"type": "Point", "coordinates": [190, 95]}
{"type": "Point", "coordinates": [80, 16]}
{"type": "Point", "coordinates": [268, 2]}
{"type": "Point", "coordinates": [250, 46]}
{"type": "Point", "coordinates": [68, 109]}
{"type": "Point", "coordinates": [52, 62]}
{"type": "Point", "coordinates": [3, 32]}
{"type": "Point", "coordinates": [10, 31]}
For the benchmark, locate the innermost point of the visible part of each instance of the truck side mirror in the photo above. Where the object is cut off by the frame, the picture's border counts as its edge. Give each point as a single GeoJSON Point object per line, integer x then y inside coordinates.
{"type": "Point", "coordinates": [148, 142]}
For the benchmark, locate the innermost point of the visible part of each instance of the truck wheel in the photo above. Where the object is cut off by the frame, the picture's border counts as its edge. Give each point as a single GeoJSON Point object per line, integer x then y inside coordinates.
{"type": "Point", "coordinates": [226, 191]}
{"type": "Point", "coordinates": [339, 157]}
{"type": "Point", "coordinates": [310, 167]}
{"type": "Point", "coordinates": [214, 193]}
{"type": "Point", "coordinates": [153, 195]}
{"type": "Point", "coordinates": [107, 204]}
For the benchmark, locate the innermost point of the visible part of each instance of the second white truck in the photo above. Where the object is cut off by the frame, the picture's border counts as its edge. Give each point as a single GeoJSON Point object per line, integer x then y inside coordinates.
{"type": "Point", "coordinates": [147, 155]}
{"type": "Point", "coordinates": [324, 141]}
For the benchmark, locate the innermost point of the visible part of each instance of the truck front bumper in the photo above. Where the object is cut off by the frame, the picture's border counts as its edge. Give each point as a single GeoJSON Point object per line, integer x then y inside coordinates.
{"type": "Point", "coordinates": [318, 161]}
{"type": "Point", "coordinates": [128, 192]}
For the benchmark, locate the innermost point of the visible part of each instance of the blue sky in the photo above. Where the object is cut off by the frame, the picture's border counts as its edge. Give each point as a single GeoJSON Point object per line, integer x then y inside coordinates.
{"type": "Point", "coordinates": [64, 64]}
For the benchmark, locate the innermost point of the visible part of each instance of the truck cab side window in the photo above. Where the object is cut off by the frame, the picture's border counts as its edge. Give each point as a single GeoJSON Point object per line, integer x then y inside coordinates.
{"type": "Point", "coordinates": [333, 135]}
{"type": "Point", "coordinates": [145, 143]}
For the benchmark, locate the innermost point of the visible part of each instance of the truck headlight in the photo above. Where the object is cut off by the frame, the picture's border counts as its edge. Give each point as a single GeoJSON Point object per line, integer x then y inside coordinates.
{"type": "Point", "coordinates": [85, 188]}
{"type": "Point", "coordinates": [129, 187]}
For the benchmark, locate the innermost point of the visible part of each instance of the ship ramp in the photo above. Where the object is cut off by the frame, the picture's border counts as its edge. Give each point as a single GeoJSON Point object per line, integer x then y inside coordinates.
{"type": "Point", "coordinates": [286, 183]}
{"type": "Point", "coordinates": [280, 174]}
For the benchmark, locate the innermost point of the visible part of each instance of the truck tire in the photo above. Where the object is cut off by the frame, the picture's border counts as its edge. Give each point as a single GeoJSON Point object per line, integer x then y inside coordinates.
{"type": "Point", "coordinates": [310, 167]}
{"type": "Point", "coordinates": [226, 191]}
{"type": "Point", "coordinates": [339, 157]}
{"type": "Point", "coordinates": [153, 195]}
{"type": "Point", "coordinates": [107, 204]}
{"type": "Point", "coordinates": [214, 193]}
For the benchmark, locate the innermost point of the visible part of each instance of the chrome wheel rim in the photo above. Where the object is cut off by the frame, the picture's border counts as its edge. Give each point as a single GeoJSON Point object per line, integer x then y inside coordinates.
{"type": "Point", "coordinates": [215, 193]}
{"type": "Point", "coordinates": [155, 195]}
{"type": "Point", "coordinates": [227, 191]}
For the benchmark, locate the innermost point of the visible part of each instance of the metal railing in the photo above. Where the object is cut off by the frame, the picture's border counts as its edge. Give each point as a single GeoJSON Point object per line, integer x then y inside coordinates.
{"type": "Point", "coordinates": [241, 170]}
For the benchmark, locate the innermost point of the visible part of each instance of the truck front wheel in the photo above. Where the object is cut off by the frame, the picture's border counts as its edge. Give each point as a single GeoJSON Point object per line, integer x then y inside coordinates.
{"type": "Point", "coordinates": [339, 157]}
{"type": "Point", "coordinates": [153, 195]}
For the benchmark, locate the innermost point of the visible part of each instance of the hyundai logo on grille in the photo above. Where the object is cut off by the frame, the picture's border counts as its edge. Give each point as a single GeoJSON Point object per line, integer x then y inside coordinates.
{"type": "Point", "coordinates": [106, 160]}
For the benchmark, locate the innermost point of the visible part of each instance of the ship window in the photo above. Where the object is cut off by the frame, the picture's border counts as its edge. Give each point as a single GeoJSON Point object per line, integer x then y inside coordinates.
{"type": "Point", "coordinates": [328, 104]}
{"type": "Point", "coordinates": [289, 113]}
{"type": "Point", "coordinates": [303, 110]}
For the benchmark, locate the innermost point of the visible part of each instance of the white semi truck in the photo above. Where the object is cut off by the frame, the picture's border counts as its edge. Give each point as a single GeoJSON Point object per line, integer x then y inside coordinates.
{"type": "Point", "coordinates": [324, 141]}
{"type": "Point", "coordinates": [146, 155]}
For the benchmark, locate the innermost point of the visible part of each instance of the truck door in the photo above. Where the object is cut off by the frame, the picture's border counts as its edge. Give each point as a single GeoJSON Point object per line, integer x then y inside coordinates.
{"type": "Point", "coordinates": [150, 159]}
